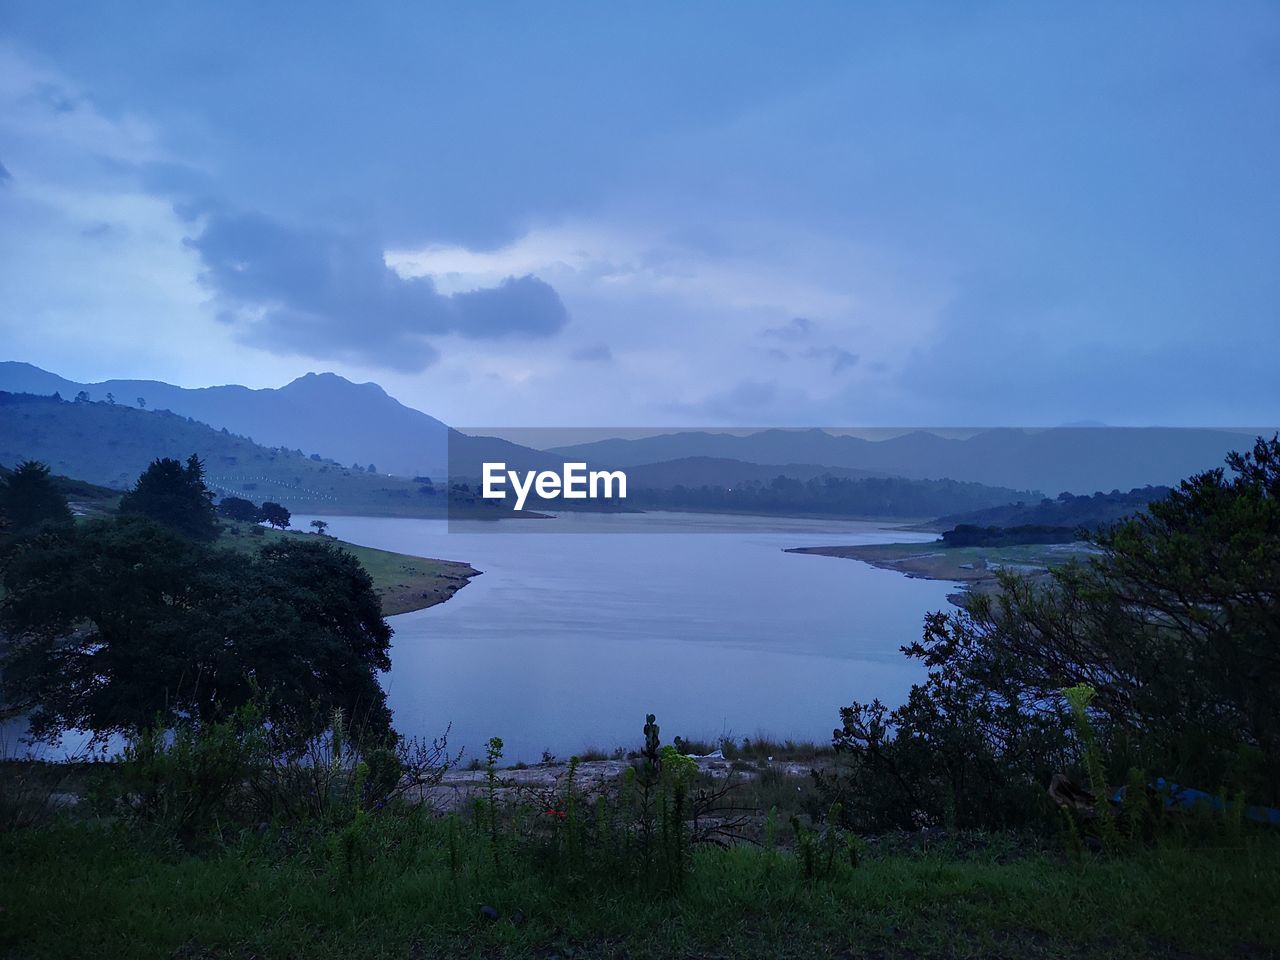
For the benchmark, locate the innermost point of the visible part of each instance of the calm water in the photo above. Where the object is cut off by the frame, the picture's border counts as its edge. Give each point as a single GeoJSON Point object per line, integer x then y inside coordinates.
{"type": "Point", "coordinates": [566, 642]}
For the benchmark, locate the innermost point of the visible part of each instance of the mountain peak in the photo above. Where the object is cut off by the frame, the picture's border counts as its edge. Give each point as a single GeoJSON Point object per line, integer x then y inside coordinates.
{"type": "Point", "coordinates": [329, 381]}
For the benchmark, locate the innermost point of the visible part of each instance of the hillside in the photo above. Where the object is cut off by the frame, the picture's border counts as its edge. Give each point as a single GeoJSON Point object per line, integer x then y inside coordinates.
{"type": "Point", "coordinates": [111, 444]}
{"type": "Point", "coordinates": [317, 413]}
{"type": "Point", "coordinates": [1089, 512]}
{"type": "Point", "coordinates": [828, 495]}
{"type": "Point", "coordinates": [721, 472]}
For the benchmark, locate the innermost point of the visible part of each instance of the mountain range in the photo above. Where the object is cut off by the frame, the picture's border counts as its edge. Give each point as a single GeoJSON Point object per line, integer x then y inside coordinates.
{"type": "Point", "coordinates": [1074, 459]}
{"type": "Point", "coordinates": [360, 424]}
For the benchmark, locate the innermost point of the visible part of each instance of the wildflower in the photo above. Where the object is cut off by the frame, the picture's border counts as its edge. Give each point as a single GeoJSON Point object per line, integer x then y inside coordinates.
{"type": "Point", "coordinates": [551, 812]}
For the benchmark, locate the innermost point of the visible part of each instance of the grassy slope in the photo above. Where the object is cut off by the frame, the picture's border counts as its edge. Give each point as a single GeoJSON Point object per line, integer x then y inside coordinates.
{"type": "Point", "coordinates": [403, 582]}
{"type": "Point", "coordinates": [78, 892]}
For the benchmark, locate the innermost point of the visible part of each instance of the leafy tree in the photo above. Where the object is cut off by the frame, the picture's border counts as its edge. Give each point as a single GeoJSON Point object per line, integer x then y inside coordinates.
{"type": "Point", "coordinates": [122, 622]}
{"type": "Point", "coordinates": [82, 396]}
{"type": "Point", "coordinates": [320, 526]}
{"type": "Point", "coordinates": [275, 514]}
{"type": "Point", "coordinates": [175, 495]}
{"type": "Point", "coordinates": [142, 403]}
{"type": "Point", "coordinates": [238, 508]}
{"type": "Point", "coordinates": [29, 500]}
{"type": "Point", "coordinates": [111, 398]}
{"type": "Point", "coordinates": [1176, 625]}
{"type": "Point", "coordinates": [372, 468]}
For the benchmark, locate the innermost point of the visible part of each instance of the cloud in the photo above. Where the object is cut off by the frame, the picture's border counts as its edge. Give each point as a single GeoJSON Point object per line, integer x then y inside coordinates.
{"type": "Point", "coordinates": [594, 353]}
{"type": "Point", "coordinates": [797, 328]}
{"type": "Point", "coordinates": [331, 296]}
{"type": "Point", "coordinates": [841, 359]}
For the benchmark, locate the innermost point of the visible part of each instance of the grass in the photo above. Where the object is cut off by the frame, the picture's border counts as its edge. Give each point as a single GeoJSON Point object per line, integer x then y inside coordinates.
{"type": "Point", "coordinates": [85, 890]}
{"type": "Point", "coordinates": [403, 582]}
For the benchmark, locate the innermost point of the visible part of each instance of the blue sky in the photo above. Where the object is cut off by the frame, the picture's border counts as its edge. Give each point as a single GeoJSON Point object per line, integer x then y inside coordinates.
{"type": "Point", "coordinates": [651, 214]}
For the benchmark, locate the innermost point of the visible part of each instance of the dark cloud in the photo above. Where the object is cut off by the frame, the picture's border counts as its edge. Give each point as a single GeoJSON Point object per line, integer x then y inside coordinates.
{"type": "Point", "coordinates": [329, 295]}
{"type": "Point", "coordinates": [841, 359]}
{"type": "Point", "coordinates": [797, 328]}
{"type": "Point", "coordinates": [597, 353]}
{"type": "Point", "coordinates": [519, 305]}
{"type": "Point", "coordinates": [749, 401]}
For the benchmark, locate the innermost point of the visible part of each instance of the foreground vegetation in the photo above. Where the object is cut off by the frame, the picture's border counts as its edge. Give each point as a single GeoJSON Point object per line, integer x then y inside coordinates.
{"type": "Point", "coordinates": [1023, 801]}
{"type": "Point", "coordinates": [82, 891]}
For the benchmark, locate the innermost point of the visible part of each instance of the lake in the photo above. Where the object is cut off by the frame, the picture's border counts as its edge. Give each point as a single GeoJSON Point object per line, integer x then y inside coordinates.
{"type": "Point", "coordinates": [568, 639]}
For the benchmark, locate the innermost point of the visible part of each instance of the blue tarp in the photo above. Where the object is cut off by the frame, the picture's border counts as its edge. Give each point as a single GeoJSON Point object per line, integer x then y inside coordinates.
{"type": "Point", "coordinates": [1187, 798]}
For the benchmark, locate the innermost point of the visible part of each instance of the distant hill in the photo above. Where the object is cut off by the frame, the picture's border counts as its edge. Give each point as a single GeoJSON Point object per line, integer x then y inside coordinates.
{"type": "Point", "coordinates": [318, 413]}
{"type": "Point", "coordinates": [1067, 511]}
{"type": "Point", "coordinates": [1066, 458]}
{"type": "Point", "coordinates": [720, 472]}
{"type": "Point", "coordinates": [111, 444]}
{"type": "Point", "coordinates": [826, 495]}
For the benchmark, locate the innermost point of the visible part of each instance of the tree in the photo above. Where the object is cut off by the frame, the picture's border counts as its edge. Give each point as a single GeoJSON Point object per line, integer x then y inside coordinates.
{"type": "Point", "coordinates": [111, 398]}
{"type": "Point", "coordinates": [320, 526]}
{"type": "Point", "coordinates": [176, 496]}
{"type": "Point", "coordinates": [240, 509]}
{"type": "Point", "coordinates": [372, 468]}
{"type": "Point", "coordinates": [82, 396]}
{"type": "Point", "coordinates": [29, 500]}
{"type": "Point", "coordinates": [1175, 625]}
{"type": "Point", "coordinates": [123, 623]}
{"type": "Point", "coordinates": [142, 403]}
{"type": "Point", "coordinates": [275, 514]}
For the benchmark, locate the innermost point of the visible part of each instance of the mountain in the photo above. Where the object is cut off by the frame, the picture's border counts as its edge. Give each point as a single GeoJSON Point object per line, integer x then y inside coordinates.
{"type": "Point", "coordinates": [1077, 459]}
{"type": "Point", "coordinates": [719, 472]}
{"type": "Point", "coordinates": [111, 444]}
{"type": "Point", "coordinates": [318, 413]}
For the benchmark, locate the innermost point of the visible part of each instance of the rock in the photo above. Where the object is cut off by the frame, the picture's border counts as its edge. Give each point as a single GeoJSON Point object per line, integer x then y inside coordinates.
{"type": "Point", "coordinates": [489, 913]}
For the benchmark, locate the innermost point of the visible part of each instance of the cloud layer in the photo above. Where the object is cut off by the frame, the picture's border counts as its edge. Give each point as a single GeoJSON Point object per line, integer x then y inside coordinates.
{"type": "Point", "coordinates": [325, 295]}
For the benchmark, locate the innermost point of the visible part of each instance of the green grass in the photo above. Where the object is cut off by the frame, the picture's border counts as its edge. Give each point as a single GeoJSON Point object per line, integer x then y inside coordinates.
{"type": "Point", "coordinates": [79, 891]}
{"type": "Point", "coordinates": [403, 582]}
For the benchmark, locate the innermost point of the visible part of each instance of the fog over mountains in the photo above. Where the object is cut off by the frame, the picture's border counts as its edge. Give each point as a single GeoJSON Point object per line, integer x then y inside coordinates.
{"type": "Point", "coordinates": [353, 423]}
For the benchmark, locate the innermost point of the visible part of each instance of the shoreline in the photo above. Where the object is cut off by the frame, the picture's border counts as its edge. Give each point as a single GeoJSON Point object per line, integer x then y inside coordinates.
{"type": "Point", "coordinates": [974, 569]}
{"type": "Point", "coordinates": [404, 583]}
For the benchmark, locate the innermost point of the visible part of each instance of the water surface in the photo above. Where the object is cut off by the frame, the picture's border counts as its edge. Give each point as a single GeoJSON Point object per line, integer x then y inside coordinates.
{"type": "Point", "coordinates": [566, 641]}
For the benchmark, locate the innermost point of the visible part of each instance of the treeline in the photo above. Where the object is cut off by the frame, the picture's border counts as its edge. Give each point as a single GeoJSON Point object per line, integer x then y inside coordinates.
{"type": "Point", "coordinates": [828, 495]}
{"type": "Point", "coordinates": [1083, 512]}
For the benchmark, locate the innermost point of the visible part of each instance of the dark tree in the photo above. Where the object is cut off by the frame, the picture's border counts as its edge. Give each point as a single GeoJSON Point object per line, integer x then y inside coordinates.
{"type": "Point", "coordinates": [275, 514]}
{"type": "Point", "coordinates": [122, 622]}
{"type": "Point", "coordinates": [1175, 625]}
{"type": "Point", "coordinates": [175, 495]}
{"type": "Point", "coordinates": [320, 526]}
{"type": "Point", "coordinates": [142, 403]}
{"type": "Point", "coordinates": [82, 396]}
{"type": "Point", "coordinates": [29, 500]}
{"type": "Point", "coordinates": [238, 508]}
